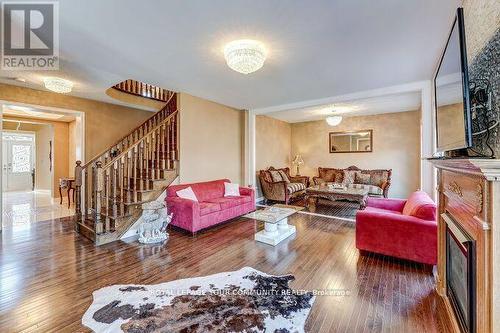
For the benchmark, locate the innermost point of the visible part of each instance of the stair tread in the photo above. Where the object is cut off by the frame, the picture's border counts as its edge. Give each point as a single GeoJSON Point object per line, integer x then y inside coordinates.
{"type": "Point", "coordinates": [161, 169]}
{"type": "Point", "coordinates": [141, 191]}
{"type": "Point", "coordinates": [117, 216]}
{"type": "Point", "coordinates": [151, 179]}
{"type": "Point", "coordinates": [87, 223]}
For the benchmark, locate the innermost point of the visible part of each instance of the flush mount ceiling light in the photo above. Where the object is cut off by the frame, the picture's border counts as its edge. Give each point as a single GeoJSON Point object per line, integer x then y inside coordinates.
{"type": "Point", "coordinates": [58, 85]}
{"type": "Point", "coordinates": [334, 120]}
{"type": "Point", "coordinates": [245, 55]}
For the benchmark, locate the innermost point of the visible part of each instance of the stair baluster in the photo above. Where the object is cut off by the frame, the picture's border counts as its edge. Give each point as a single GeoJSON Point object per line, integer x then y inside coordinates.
{"type": "Point", "coordinates": [78, 187]}
{"type": "Point", "coordinates": [114, 184]}
{"type": "Point", "coordinates": [98, 188]}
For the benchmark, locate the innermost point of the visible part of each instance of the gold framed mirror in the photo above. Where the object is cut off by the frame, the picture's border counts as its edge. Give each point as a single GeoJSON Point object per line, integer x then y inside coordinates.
{"type": "Point", "coordinates": [351, 141]}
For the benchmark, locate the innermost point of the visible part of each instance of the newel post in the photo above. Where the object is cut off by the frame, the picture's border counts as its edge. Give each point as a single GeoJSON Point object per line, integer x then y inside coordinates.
{"type": "Point", "coordinates": [98, 187]}
{"type": "Point", "coordinates": [78, 194]}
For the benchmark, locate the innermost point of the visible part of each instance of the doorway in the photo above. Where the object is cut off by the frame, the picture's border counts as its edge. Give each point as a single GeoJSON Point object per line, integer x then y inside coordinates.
{"type": "Point", "coordinates": [40, 146]}
{"type": "Point", "coordinates": [18, 156]}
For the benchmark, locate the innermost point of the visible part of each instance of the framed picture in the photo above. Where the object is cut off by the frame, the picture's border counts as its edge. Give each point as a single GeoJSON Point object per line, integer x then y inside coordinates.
{"type": "Point", "coordinates": [351, 141]}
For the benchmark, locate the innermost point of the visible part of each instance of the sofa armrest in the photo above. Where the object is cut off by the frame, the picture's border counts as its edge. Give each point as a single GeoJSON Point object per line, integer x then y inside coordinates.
{"type": "Point", "coordinates": [388, 204]}
{"type": "Point", "coordinates": [395, 227]}
{"type": "Point", "coordinates": [274, 190]}
{"type": "Point", "coordinates": [300, 179]}
{"type": "Point", "coordinates": [397, 235]}
{"type": "Point", "coordinates": [385, 188]}
{"type": "Point", "coordinates": [247, 191]}
{"type": "Point", "coordinates": [391, 220]}
{"type": "Point", "coordinates": [318, 180]}
{"type": "Point", "coordinates": [281, 182]}
{"type": "Point", "coordinates": [186, 213]}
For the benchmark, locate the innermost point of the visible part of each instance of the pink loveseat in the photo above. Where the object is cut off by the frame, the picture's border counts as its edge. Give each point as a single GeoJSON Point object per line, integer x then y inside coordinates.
{"type": "Point", "coordinates": [404, 229]}
{"type": "Point", "coordinates": [212, 207]}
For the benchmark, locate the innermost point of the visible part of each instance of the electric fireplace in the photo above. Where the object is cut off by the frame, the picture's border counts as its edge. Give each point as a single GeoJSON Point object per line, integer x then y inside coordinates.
{"type": "Point", "coordinates": [469, 244]}
{"type": "Point", "coordinates": [460, 275]}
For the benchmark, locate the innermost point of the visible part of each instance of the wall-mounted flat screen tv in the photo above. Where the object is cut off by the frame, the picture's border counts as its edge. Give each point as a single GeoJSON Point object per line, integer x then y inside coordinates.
{"type": "Point", "coordinates": [453, 115]}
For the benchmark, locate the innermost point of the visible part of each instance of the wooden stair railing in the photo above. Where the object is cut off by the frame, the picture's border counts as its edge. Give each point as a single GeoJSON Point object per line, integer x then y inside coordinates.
{"type": "Point", "coordinates": [145, 90]}
{"type": "Point", "coordinates": [111, 188]}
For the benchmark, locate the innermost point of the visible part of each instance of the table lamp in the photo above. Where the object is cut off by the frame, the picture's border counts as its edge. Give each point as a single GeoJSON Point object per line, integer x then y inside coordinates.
{"type": "Point", "coordinates": [298, 161]}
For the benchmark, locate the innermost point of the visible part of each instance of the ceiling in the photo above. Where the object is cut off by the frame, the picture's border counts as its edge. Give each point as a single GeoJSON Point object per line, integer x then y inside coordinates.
{"type": "Point", "coordinates": [408, 101]}
{"type": "Point", "coordinates": [35, 113]}
{"type": "Point", "coordinates": [316, 48]}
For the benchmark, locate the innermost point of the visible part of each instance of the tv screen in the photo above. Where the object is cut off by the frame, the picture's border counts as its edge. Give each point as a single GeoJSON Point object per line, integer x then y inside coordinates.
{"type": "Point", "coordinates": [453, 120]}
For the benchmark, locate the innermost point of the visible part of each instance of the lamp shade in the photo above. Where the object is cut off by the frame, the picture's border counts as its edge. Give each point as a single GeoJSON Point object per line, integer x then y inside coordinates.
{"type": "Point", "coordinates": [298, 160]}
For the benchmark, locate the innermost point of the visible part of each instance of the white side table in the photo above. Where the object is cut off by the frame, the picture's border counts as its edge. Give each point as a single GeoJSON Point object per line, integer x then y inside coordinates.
{"type": "Point", "coordinates": [276, 227]}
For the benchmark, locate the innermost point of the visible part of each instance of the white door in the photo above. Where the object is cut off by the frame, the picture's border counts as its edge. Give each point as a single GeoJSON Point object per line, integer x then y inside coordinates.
{"type": "Point", "coordinates": [18, 161]}
{"type": "Point", "coordinates": [4, 165]}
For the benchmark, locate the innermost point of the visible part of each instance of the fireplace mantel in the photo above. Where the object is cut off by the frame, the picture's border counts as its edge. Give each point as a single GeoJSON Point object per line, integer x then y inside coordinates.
{"type": "Point", "coordinates": [488, 168]}
{"type": "Point", "coordinates": [469, 192]}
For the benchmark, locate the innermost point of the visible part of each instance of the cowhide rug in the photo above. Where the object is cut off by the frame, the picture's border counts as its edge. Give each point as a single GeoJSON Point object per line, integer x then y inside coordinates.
{"type": "Point", "coordinates": [242, 301]}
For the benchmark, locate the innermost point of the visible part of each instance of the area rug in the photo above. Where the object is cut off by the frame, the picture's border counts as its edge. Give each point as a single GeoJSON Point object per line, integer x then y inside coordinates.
{"type": "Point", "coordinates": [298, 208]}
{"type": "Point", "coordinates": [241, 301]}
{"type": "Point", "coordinates": [341, 208]}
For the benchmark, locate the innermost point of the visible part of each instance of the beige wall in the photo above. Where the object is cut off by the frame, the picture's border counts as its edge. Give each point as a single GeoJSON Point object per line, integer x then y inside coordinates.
{"type": "Point", "coordinates": [104, 123]}
{"type": "Point", "coordinates": [273, 143]}
{"type": "Point", "coordinates": [273, 140]}
{"type": "Point", "coordinates": [396, 145]}
{"type": "Point", "coordinates": [72, 142]}
{"type": "Point", "coordinates": [60, 154]}
{"type": "Point", "coordinates": [43, 175]}
{"type": "Point", "coordinates": [211, 140]}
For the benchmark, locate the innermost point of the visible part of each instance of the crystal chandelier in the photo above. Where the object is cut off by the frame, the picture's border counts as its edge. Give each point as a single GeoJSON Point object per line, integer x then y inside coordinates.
{"type": "Point", "coordinates": [245, 55]}
{"type": "Point", "coordinates": [58, 85]}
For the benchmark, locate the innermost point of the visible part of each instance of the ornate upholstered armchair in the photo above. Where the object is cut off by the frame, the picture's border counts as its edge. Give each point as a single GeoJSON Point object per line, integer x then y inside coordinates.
{"type": "Point", "coordinates": [278, 185]}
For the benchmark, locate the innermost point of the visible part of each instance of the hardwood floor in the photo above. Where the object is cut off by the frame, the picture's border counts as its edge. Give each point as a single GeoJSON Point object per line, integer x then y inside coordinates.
{"type": "Point", "coordinates": [48, 274]}
{"type": "Point", "coordinates": [340, 208]}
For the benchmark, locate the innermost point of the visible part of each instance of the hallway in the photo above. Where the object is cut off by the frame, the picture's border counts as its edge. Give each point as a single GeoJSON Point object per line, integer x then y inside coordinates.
{"type": "Point", "coordinates": [21, 209]}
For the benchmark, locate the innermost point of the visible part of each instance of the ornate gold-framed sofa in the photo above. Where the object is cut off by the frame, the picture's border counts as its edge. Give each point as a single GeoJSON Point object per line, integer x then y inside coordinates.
{"type": "Point", "coordinates": [279, 185]}
{"type": "Point", "coordinates": [376, 181]}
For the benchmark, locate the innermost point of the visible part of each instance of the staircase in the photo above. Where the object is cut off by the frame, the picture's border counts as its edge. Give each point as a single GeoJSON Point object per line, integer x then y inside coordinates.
{"type": "Point", "coordinates": [111, 188]}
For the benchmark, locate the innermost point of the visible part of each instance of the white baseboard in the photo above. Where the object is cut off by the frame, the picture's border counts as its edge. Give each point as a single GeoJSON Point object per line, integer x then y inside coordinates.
{"type": "Point", "coordinates": [259, 199]}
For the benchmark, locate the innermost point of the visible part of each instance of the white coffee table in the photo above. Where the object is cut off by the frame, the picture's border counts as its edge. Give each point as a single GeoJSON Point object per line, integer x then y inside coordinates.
{"type": "Point", "coordinates": [276, 227]}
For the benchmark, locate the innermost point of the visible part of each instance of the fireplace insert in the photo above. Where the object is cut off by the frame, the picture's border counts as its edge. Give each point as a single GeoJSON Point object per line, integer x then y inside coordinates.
{"type": "Point", "coordinates": [460, 275]}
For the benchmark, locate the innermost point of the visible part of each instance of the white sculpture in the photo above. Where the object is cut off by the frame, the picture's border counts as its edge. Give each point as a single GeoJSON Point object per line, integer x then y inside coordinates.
{"type": "Point", "coordinates": [156, 220]}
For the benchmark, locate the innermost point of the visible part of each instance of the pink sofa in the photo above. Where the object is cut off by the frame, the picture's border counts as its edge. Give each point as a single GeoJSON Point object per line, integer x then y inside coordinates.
{"type": "Point", "coordinates": [404, 229]}
{"type": "Point", "coordinates": [213, 208]}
